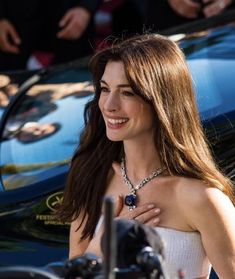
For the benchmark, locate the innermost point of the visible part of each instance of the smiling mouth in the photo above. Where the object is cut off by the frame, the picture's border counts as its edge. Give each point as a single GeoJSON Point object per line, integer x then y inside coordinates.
{"type": "Point", "coordinates": [117, 121]}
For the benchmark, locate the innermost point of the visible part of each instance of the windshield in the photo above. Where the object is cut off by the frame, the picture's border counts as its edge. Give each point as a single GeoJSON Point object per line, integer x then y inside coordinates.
{"type": "Point", "coordinates": [43, 130]}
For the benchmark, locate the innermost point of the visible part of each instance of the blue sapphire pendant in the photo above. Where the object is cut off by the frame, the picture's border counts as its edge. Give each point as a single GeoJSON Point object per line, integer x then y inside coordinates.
{"type": "Point", "coordinates": [130, 201]}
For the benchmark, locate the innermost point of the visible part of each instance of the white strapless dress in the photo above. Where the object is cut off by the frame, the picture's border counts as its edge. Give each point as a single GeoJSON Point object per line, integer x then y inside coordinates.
{"type": "Point", "coordinates": [184, 250]}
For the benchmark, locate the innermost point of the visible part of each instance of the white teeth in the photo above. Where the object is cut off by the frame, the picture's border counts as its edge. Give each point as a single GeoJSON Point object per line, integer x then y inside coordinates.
{"type": "Point", "coordinates": [117, 121]}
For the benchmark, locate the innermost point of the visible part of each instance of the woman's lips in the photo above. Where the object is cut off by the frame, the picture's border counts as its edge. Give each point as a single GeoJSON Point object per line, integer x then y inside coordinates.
{"type": "Point", "coordinates": [116, 123]}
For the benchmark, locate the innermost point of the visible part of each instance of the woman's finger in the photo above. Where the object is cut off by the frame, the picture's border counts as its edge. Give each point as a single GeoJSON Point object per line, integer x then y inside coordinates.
{"type": "Point", "coordinates": [148, 216]}
{"type": "Point", "coordinates": [140, 210]}
{"type": "Point", "coordinates": [131, 214]}
{"type": "Point", "coordinates": [153, 222]}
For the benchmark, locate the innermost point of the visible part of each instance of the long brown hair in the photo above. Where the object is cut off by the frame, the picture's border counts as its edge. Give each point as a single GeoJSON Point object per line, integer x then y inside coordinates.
{"type": "Point", "coordinates": [156, 70]}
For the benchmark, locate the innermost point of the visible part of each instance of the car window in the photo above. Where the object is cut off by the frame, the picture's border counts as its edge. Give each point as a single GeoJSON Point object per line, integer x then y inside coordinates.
{"type": "Point", "coordinates": [43, 129]}
{"type": "Point", "coordinates": [211, 59]}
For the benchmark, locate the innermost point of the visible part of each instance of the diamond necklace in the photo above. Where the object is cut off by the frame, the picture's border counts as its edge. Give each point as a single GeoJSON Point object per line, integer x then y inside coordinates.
{"type": "Point", "coordinates": [131, 199]}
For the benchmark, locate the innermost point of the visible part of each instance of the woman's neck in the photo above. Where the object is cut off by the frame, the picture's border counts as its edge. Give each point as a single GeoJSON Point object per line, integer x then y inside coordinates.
{"type": "Point", "coordinates": [141, 160]}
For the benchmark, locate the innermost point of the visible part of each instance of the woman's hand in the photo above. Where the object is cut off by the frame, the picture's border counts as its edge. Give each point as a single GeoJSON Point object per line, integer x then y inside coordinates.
{"type": "Point", "coordinates": [147, 214]}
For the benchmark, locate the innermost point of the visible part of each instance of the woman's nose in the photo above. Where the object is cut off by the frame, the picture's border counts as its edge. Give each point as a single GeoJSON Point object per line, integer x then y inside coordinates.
{"type": "Point", "coordinates": [112, 102]}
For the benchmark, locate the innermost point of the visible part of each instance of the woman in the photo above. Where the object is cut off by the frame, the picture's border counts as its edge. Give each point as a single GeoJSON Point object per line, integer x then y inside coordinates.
{"type": "Point", "coordinates": [143, 123]}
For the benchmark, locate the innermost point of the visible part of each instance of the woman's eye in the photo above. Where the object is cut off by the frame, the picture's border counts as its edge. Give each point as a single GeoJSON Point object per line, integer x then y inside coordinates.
{"type": "Point", "coordinates": [127, 93]}
{"type": "Point", "coordinates": [104, 90]}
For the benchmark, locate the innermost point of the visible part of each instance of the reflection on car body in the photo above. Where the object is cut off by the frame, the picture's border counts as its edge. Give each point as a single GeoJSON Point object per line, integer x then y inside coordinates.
{"type": "Point", "coordinates": [7, 90]}
{"type": "Point", "coordinates": [33, 175]}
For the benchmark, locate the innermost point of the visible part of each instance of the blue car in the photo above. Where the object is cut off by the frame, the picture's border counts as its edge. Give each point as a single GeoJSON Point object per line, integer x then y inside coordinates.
{"type": "Point", "coordinates": [40, 130]}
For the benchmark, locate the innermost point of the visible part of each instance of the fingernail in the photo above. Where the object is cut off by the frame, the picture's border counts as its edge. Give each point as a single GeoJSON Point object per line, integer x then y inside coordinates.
{"type": "Point", "coordinates": [151, 206]}
{"type": "Point", "coordinates": [156, 220]}
{"type": "Point", "coordinates": [157, 210]}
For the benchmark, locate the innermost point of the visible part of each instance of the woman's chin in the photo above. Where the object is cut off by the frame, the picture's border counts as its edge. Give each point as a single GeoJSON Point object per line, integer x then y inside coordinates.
{"type": "Point", "coordinates": [114, 137]}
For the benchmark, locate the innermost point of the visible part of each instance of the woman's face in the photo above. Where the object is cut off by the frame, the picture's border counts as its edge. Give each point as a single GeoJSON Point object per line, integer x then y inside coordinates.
{"type": "Point", "coordinates": [126, 115]}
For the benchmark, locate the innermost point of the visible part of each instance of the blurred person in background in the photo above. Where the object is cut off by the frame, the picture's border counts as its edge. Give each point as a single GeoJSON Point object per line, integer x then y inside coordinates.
{"type": "Point", "coordinates": [163, 14]}
{"type": "Point", "coordinates": [64, 28]}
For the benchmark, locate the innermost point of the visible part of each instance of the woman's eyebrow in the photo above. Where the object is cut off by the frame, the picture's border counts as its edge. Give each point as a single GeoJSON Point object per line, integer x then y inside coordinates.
{"type": "Point", "coordinates": [119, 85]}
{"type": "Point", "coordinates": [103, 81]}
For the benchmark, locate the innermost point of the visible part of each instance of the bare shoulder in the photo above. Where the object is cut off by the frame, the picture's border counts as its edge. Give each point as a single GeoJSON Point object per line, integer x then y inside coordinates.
{"type": "Point", "coordinates": [197, 193]}
{"type": "Point", "coordinates": [197, 200]}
